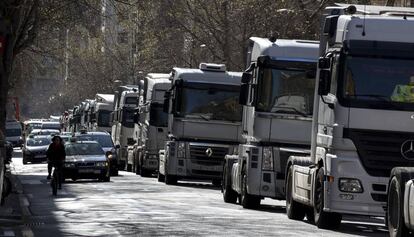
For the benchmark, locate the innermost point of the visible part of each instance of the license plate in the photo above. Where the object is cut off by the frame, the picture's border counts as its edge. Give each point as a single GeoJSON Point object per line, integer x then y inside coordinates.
{"type": "Point", "coordinates": [89, 171]}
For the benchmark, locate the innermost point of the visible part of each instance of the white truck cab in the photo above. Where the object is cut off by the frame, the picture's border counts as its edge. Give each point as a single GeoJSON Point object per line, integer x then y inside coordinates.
{"type": "Point", "coordinates": [125, 101]}
{"type": "Point", "coordinates": [277, 96]}
{"type": "Point", "coordinates": [363, 115]}
{"type": "Point", "coordinates": [153, 123]}
{"type": "Point", "coordinates": [203, 123]}
{"type": "Point", "coordinates": [104, 104]}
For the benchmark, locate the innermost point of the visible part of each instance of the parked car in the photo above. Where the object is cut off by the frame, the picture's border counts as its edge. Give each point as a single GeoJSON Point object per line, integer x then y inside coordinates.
{"type": "Point", "coordinates": [105, 140]}
{"type": "Point", "coordinates": [85, 160]}
{"type": "Point", "coordinates": [35, 147]}
{"type": "Point", "coordinates": [45, 132]}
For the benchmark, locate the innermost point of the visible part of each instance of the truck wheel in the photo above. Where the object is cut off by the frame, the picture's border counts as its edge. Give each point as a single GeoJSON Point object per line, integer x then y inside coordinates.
{"type": "Point", "coordinates": [144, 172]}
{"type": "Point", "coordinates": [294, 210]}
{"type": "Point", "coordinates": [170, 179]}
{"type": "Point", "coordinates": [247, 200]}
{"type": "Point", "coordinates": [323, 220]}
{"type": "Point", "coordinates": [216, 182]}
{"type": "Point", "coordinates": [395, 209]}
{"type": "Point", "coordinates": [160, 177]}
{"type": "Point", "coordinates": [229, 195]}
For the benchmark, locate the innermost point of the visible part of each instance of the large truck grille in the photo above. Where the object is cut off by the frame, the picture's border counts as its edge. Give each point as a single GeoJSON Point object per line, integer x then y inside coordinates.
{"type": "Point", "coordinates": [379, 151]}
{"type": "Point", "coordinates": [208, 153]}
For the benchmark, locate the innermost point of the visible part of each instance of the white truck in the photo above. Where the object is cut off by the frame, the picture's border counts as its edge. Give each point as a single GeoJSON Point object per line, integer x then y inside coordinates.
{"type": "Point", "coordinates": [363, 111]}
{"type": "Point", "coordinates": [203, 123]}
{"type": "Point", "coordinates": [153, 123]}
{"type": "Point", "coordinates": [125, 101]}
{"type": "Point", "coordinates": [101, 114]}
{"type": "Point", "coordinates": [277, 96]}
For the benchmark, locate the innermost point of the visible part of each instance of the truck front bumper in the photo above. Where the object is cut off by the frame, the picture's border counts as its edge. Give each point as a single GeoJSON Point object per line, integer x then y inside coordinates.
{"type": "Point", "coordinates": [371, 201]}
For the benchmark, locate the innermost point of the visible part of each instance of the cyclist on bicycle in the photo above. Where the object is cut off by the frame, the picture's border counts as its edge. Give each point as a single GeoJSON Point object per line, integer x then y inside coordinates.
{"type": "Point", "coordinates": [55, 155]}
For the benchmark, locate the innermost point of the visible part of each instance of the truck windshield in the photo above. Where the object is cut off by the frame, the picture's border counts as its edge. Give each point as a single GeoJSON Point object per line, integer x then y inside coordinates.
{"type": "Point", "coordinates": [286, 90]}
{"type": "Point", "coordinates": [104, 117]}
{"type": "Point", "coordinates": [128, 118]}
{"type": "Point", "coordinates": [210, 102]}
{"type": "Point", "coordinates": [379, 83]}
{"type": "Point", "coordinates": [158, 117]}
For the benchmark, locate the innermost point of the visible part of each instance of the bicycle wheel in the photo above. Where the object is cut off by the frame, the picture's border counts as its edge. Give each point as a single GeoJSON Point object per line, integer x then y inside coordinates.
{"type": "Point", "coordinates": [54, 183]}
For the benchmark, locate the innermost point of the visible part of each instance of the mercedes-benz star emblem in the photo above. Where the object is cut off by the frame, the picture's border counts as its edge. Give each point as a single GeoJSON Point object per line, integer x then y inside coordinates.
{"type": "Point", "coordinates": [407, 149]}
{"type": "Point", "coordinates": [209, 152]}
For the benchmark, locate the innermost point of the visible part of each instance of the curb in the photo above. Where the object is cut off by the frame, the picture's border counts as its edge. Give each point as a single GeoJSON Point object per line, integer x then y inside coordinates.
{"type": "Point", "coordinates": [23, 202]}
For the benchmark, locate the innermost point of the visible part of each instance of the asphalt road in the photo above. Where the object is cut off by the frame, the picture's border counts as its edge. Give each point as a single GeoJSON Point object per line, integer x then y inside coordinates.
{"type": "Point", "coordinates": [133, 206]}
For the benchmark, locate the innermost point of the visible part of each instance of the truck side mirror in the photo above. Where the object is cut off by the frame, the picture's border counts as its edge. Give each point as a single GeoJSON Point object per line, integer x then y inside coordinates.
{"type": "Point", "coordinates": [130, 141]}
{"type": "Point", "coordinates": [324, 63]}
{"type": "Point", "coordinates": [244, 94]}
{"type": "Point", "coordinates": [324, 82]}
{"type": "Point", "coordinates": [166, 104]}
{"type": "Point", "coordinates": [246, 78]}
{"type": "Point", "coordinates": [117, 146]}
{"type": "Point", "coordinates": [136, 117]}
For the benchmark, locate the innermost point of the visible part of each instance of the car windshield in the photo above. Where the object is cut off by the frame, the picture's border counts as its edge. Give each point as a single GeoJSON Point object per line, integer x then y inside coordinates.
{"type": "Point", "coordinates": [103, 140]}
{"type": "Point", "coordinates": [104, 117]}
{"type": "Point", "coordinates": [381, 83]}
{"type": "Point", "coordinates": [158, 117]}
{"type": "Point", "coordinates": [288, 89]}
{"type": "Point", "coordinates": [75, 149]}
{"type": "Point", "coordinates": [51, 126]}
{"type": "Point", "coordinates": [210, 102]}
{"type": "Point", "coordinates": [38, 141]}
{"type": "Point", "coordinates": [13, 132]}
{"type": "Point", "coordinates": [32, 126]}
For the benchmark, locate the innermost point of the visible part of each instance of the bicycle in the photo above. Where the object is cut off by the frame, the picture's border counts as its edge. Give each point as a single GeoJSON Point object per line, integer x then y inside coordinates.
{"type": "Point", "coordinates": [56, 181]}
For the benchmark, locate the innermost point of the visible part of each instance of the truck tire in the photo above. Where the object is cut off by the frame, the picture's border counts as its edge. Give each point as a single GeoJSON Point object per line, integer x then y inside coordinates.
{"type": "Point", "coordinates": [144, 172]}
{"type": "Point", "coordinates": [395, 206]}
{"type": "Point", "coordinates": [246, 200]}
{"type": "Point", "coordinates": [128, 167]}
{"type": "Point", "coordinates": [294, 210]}
{"type": "Point", "coordinates": [160, 177]}
{"type": "Point", "coordinates": [323, 220]}
{"type": "Point", "coordinates": [229, 195]}
{"type": "Point", "coordinates": [170, 179]}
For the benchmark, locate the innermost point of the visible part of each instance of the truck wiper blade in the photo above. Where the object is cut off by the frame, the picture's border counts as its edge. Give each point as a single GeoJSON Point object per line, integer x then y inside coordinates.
{"type": "Point", "coordinates": [198, 116]}
{"type": "Point", "coordinates": [276, 109]}
{"type": "Point", "coordinates": [379, 97]}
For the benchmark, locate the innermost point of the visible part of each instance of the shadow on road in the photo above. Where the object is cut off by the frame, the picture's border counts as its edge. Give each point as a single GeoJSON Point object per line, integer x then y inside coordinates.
{"type": "Point", "coordinates": [198, 185]}
{"type": "Point", "coordinates": [272, 208]}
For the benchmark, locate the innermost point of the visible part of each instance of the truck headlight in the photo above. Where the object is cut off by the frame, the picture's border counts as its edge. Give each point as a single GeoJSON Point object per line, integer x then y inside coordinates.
{"type": "Point", "coordinates": [350, 185]}
{"type": "Point", "coordinates": [267, 161]}
{"type": "Point", "coordinates": [181, 150]}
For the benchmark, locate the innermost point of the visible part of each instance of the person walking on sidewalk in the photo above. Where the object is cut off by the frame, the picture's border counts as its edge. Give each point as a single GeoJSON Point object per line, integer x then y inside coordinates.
{"type": "Point", "coordinates": [55, 155]}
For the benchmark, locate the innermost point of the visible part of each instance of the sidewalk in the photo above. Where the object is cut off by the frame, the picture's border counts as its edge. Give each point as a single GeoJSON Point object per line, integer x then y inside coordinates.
{"type": "Point", "coordinates": [14, 212]}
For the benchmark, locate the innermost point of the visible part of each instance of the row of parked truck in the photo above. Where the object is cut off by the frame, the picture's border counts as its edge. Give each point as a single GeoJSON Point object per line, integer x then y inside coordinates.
{"type": "Point", "coordinates": [318, 124]}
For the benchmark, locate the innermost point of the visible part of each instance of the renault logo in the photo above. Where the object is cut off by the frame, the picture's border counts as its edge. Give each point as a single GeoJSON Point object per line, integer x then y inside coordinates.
{"type": "Point", "coordinates": [407, 149]}
{"type": "Point", "coordinates": [209, 152]}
